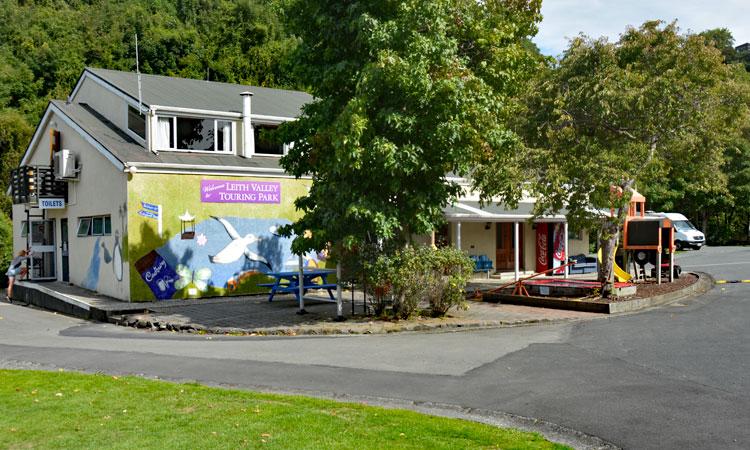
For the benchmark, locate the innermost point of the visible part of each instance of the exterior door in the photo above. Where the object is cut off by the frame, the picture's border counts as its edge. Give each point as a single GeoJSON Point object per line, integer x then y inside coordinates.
{"type": "Point", "coordinates": [43, 250]}
{"type": "Point", "coordinates": [504, 253]}
{"type": "Point", "coordinates": [64, 249]}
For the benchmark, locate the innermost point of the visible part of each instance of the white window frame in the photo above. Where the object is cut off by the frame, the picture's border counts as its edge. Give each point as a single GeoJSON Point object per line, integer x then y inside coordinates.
{"type": "Point", "coordinates": [90, 227]}
{"type": "Point", "coordinates": [215, 151]}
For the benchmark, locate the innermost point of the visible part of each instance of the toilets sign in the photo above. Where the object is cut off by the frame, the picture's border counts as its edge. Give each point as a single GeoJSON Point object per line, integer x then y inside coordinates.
{"type": "Point", "coordinates": [226, 191]}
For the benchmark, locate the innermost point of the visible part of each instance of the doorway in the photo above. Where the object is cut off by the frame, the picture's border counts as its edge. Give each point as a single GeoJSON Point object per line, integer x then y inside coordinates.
{"type": "Point", "coordinates": [64, 250]}
{"type": "Point", "coordinates": [43, 249]}
{"type": "Point", "coordinates": [504, 253]}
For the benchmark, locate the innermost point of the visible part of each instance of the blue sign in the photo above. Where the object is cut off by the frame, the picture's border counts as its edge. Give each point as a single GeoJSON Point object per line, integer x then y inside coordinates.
{"type": "Point", "coordinates": [150, 207]}
{"type": "Point", "coordinates": [158, 275]}
{"type": "Point", "coordinates": [148, 214]}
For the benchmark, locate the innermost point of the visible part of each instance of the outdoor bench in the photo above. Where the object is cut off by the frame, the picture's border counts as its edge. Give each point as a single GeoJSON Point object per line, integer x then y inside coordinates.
{"type": "Point", "coordinates": [288, 283]}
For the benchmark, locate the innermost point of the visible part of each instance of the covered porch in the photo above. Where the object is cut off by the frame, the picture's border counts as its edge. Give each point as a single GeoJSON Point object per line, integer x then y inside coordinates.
{"type": "Point", "coordinates": [513, 243]}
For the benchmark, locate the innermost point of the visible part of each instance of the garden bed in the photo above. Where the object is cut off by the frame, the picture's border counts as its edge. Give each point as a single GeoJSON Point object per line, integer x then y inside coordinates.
{"type": "Point", "coordinates": [647, 294]}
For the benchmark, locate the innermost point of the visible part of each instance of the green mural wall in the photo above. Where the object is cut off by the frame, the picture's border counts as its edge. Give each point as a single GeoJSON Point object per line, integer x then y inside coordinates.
{"type": "Point", "coordinates": [195, 236]}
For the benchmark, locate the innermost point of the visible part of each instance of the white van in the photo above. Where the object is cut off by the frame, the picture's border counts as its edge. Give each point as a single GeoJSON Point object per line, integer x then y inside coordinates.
{"type": "Point", "coordinates": [685, 233]}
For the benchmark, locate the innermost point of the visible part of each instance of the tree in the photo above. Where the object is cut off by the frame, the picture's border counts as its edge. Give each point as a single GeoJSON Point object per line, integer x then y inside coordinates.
{"type": "Point", "coordinates": [610, 117]}
{"type": "Point", "coordinates": [716, 209]}
{"type": "Point", "coordinates": [15, 134]}
{"type": "Point", "coordinates": [407, 92]}
{"type": "Point", "coordinates": [722, 39]}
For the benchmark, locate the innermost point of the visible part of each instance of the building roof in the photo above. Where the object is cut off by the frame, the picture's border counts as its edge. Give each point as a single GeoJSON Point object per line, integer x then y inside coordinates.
{"type": "Point", "coordinates": [127, 150]}
{"type": "Point", "coordinates": [205, 95]}
{"type": "Point", "coordinates": [472, 211]}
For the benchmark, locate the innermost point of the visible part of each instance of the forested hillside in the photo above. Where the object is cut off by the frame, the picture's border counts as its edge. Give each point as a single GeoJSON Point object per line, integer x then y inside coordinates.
{"type": "Point", "coordinates": [45, 44]}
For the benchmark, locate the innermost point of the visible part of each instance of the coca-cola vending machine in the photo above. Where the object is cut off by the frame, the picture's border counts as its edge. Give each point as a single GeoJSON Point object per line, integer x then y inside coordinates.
{"type": "Point", "coordinates": [542, 247]}
{"type": "Point", "coordinates": [558, 245]}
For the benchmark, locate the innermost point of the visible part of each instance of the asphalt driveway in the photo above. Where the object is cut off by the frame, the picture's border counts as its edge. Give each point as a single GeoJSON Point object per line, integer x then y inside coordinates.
{"type": "Point", "coordinates": [671, 377]}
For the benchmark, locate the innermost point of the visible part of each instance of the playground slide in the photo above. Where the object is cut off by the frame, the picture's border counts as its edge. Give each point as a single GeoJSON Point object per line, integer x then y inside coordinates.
{"type": "Point", "coordinates": [620, 274]}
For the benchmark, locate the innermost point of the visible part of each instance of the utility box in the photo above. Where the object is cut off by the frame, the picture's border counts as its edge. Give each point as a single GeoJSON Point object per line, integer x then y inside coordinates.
{"type": "Point", "coordinates": [64, 164]}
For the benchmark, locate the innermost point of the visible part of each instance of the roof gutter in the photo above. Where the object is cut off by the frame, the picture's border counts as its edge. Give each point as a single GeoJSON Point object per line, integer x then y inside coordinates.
{"type": "Point", "coordinates": [502, 218]}
{"type": "Point", "coordinates": [213, 113]}
{"type": "Point", "coordinates": [148, 167]}
{"type": "Point", "coordinates": [195, 112]}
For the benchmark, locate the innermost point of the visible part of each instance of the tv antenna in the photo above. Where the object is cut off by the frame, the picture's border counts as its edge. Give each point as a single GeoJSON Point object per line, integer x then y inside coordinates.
{"type": "Point", "coordinates": [138, 72]}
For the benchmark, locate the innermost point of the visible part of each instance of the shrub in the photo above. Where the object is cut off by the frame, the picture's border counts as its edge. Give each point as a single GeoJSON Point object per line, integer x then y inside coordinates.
{"type": "Point", "coordinates": [419, 276]}
{"type": "Point", "coordinates": [6, 246]}
{"type": "Point", "coordinates": [452, 269]}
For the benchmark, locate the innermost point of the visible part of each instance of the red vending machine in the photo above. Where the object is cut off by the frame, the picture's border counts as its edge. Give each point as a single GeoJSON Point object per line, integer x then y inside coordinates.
{"type": "Point", "coordinates": [542, 247]}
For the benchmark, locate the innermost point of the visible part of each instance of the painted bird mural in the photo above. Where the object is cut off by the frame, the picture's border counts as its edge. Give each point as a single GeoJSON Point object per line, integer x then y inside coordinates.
{"type": "Point", "coordinates": [237, 247]}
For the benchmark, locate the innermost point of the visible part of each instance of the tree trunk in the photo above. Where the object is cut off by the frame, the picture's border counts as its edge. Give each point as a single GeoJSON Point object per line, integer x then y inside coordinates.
{"type": "Point", "coordinates": [610, 234]}
{"type": "Point", "coordinates": [608, 237]}
{"type": "Point", "coordinates": [704, 218]}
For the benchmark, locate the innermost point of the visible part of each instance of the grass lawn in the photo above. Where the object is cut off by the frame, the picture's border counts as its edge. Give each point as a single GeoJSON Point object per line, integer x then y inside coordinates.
{"type": "Point", "coordinates": [72, 410]}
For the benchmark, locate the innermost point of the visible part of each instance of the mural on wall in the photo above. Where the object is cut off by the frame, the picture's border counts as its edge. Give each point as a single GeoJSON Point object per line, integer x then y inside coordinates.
{"type": "Point", "coordinates": [117, 257]}
{"type": "Point", "coordinates": [221, 240]}
{"type": "Point", "coordinates": [158, 275]}
{"type": "Point", "coordinates": [91, 281]}
{"type": "Point", "coordinates": [232, 250]}
{"type": "Point", "coordinates": [238, 247]}
{"type": "Point", "coordinates": [101, 253]}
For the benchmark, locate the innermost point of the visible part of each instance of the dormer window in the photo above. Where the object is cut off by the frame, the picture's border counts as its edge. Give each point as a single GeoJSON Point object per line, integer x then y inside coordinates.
{"type": "Point", "coordinates": [136, 122]}
{"type": "Point", "coordinates": [194, 134]}
{"type": "Point", "coordinates": [265, 146]}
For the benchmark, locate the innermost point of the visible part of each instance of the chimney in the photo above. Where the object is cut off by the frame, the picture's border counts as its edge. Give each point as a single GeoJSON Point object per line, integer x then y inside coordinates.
{"type": "Point", "coordinates": [248, 135]}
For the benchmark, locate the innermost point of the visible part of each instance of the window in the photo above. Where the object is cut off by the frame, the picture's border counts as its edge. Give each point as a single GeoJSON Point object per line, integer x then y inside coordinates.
{"type": "Point", "coordinates": [165, 133]}
{"type": "Point", "coordinates": [263, 143]}
{"type": "Point", "coordinates": [136, 122]}
{"type": "Point", "coordinates": [575, 235]}
{"type": "Point", "coordinates": [24, 228]}
{"type": "Point", "coordinates": [84, 226]}
{"type": "Point", "coordinates": [193, 134]}
{"type": "Point", "coordinates": [94, 226]}
{"type": "Point", "coordinates": [97, 226]}
{"type": "Point", "coordinates": [223, 136]}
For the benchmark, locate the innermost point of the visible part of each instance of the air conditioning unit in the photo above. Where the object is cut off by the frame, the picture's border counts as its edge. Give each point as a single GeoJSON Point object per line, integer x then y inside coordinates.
{"type": "Point", "coordinates": [64, 163]}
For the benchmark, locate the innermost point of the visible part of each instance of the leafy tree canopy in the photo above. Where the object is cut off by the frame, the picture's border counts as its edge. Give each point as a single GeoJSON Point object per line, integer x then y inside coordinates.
{"type": "Point", "coordinates": [628, 114]}
{"type": "Point", "coordinates": [407, 93]}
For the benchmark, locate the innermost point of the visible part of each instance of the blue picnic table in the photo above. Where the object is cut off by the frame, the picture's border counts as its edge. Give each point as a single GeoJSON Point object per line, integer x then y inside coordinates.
{"type": "Point", "coordinates": [288, 281]}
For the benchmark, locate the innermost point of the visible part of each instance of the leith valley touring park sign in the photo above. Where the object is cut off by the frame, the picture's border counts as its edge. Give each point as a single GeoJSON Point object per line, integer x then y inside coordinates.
{"type": "Point", "coordinates": [225, 191]}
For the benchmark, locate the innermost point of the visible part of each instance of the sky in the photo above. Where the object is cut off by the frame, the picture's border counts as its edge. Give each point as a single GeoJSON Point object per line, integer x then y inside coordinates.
{"type": "Point", "coordinates": [565, 19]}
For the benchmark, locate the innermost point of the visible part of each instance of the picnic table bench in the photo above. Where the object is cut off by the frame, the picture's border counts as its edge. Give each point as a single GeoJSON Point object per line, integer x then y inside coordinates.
{"type": "Point", "coordinates": [288, 282]}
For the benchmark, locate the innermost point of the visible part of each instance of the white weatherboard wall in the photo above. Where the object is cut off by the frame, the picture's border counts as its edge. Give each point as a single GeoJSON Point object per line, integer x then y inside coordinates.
{"type": "Point", "coordinates": [101, 190]}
